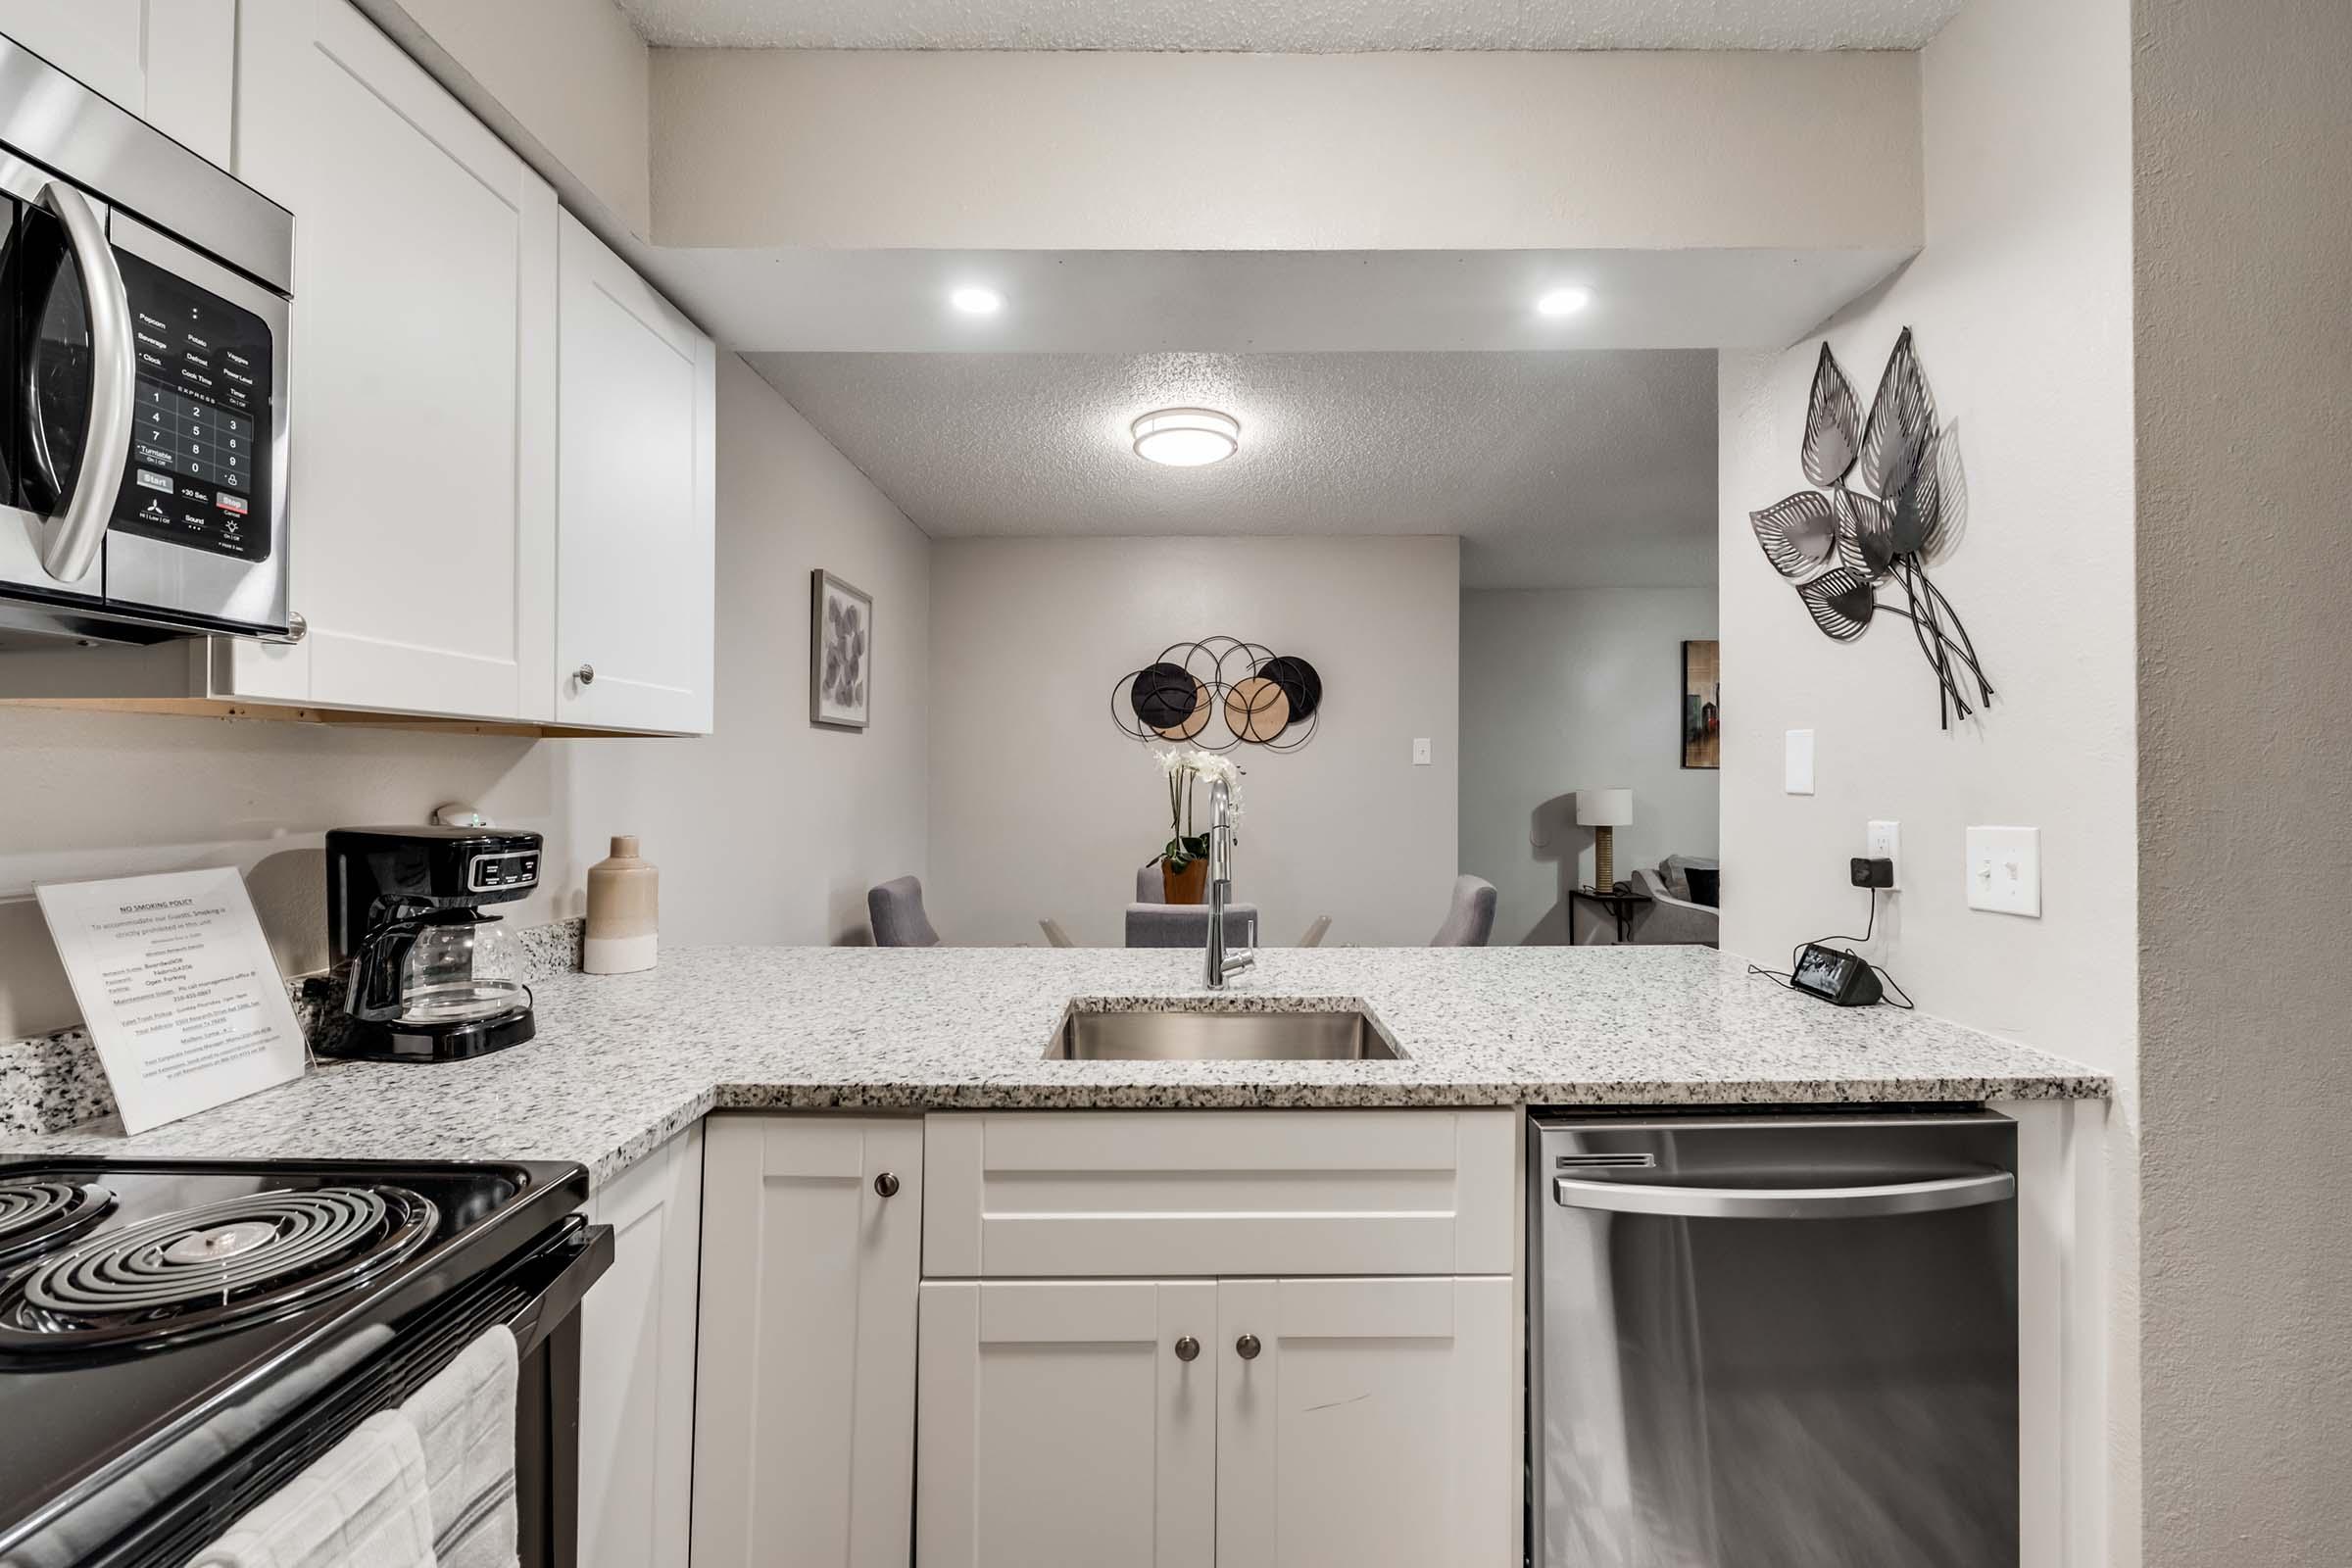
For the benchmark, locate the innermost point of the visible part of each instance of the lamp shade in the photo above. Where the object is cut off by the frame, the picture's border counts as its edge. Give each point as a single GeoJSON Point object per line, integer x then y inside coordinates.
{"type": "Point", "coordinates": [1604, 807]}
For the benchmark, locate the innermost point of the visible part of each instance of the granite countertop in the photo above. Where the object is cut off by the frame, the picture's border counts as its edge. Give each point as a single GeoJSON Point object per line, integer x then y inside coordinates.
{"type": "Point", "coordinates": [624, 1061]}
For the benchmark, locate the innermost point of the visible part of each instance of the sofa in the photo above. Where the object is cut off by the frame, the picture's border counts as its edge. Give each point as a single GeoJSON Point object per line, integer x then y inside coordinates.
{"type": "Point", "coordinates": [1671, 916]}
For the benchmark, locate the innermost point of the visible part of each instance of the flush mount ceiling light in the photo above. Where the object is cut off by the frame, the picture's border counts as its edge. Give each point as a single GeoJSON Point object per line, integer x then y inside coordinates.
{"type": "Point", "coordinates": [1563, 301]}
{"type": "Point", "coordinates": [1187, 438]}
{"type": "Point", "coordinates": [973, 300]}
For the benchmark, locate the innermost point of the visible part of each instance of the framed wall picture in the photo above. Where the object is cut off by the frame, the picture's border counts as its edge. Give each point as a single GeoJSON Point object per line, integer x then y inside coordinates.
{"type": "Point", "coordinates": [841, 652]}
{"type": "Point", "coordinates": [1702, 704]}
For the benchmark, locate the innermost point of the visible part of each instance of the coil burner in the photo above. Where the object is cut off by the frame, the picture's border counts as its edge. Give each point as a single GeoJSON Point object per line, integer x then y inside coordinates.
{"type": "Point", "coordinates": [39, 1212]}
{"type": "Point", "coordinates": [199, 1271]}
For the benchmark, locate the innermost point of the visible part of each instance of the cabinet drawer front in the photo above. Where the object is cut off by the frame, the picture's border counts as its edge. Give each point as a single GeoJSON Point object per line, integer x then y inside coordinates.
{"type": "Point", "coordinates": [1075, 1194]}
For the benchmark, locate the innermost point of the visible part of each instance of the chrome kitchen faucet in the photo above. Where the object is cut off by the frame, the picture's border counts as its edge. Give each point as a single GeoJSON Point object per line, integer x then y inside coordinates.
{"type": "Point", "coordinates": [1220, 886]}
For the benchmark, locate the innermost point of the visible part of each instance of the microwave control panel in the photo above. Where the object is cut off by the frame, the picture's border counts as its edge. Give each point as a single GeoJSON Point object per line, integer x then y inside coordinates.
{"type": "Point", "coordinates": [198, 473]}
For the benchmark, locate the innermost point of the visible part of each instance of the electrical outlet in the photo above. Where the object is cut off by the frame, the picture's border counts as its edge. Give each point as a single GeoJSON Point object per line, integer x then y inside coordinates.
{"type": "Point", "coordinates": [1800, 761]}
{"type": "Point", "coordinates": [1885, 842]}
{"type": "Point", "coordinates": [2004, 870]}
{"type": "Point", "coordinates": [1420, 753]}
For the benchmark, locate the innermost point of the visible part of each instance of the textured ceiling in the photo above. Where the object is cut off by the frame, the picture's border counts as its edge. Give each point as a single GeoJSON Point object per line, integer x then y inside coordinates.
{"type": "Point", "coordinates": [1293, 25]}
{"type": "Point", "coordinates": [1556, 468]}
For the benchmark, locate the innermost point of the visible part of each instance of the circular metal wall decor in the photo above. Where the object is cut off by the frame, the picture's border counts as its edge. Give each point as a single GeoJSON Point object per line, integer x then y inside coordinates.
{"type": "Point", "coordinates": [1261, 697]}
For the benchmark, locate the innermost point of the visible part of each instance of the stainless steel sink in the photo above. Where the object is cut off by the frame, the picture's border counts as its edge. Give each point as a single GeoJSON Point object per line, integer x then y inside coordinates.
{"type": "Point", "coordinates": [1176, 1035]}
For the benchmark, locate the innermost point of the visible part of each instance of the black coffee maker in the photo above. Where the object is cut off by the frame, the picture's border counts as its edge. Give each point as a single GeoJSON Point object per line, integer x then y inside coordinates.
{"type": "Point", "coordinates": [420, 973]}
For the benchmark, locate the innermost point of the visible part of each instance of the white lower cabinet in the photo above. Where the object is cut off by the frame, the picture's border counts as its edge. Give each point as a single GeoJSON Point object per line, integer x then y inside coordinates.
{"type": "Point", "coordinates": [805, 1416]}
{"type": "Point", "coordinates": [637, 1364]}
{"type": "Point", "coordinates": [853, 1413]}
{"type": "Point", "coordinates": [1377, 1426]}
{"type": "Point", "coordinates": [1359, 1423]}
{"type": "Point", "coordinates": [1061, 1424]}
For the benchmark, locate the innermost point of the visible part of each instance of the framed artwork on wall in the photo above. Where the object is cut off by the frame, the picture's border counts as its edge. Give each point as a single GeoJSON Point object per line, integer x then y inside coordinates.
{"type": "Point", "coordinates": [1702, 704]}
{"type": "Point", "coordinates": [841, 652]}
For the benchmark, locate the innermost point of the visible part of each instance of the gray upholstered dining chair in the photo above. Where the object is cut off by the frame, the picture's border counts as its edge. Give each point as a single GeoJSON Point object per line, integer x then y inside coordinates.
{"type": "Point", "coordinates": [1154, 923]}
{"type": "Point", "coordinates": [1471, 919]}
{"type": "Point", "coordinates": [895, 909]}
{"type": "Point", "coordinates": [1186, 925]}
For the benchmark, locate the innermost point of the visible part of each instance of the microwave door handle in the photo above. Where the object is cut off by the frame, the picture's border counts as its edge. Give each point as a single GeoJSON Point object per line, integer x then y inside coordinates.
{"type": "Point", "coordinates": [1785, 1203]}
{"type": "Point", "coordinates": [71, 539]}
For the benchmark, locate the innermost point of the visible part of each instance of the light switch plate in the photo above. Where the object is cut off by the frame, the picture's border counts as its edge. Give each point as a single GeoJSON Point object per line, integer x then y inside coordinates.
{"type": "Point", "coordinates": [2004, 870]}
{"type": "Point", "coordinates": [1420, 753]}
{"type": "Point", "coordinates": [1800, 761]}
{"type": "Point", "coordinates": [1885, 841]}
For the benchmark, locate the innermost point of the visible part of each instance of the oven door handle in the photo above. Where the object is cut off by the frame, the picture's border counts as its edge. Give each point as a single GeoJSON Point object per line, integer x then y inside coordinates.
{"type": "Point", "coordinates": [576, 1259]}
{"type": "Point", "coordinates": [70, 539]}
{"type": "Point", "coordinates": [1785, 1203]}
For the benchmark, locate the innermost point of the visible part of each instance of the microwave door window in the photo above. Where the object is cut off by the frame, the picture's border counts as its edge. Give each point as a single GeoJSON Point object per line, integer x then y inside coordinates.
{"type": "Point", "coordinates": [50, 362]}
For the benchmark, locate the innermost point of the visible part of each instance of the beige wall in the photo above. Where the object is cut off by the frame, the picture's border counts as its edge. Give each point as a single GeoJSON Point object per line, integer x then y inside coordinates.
{"type": "Point", "coordinates": [1096, 151]}
{"type": "Point", "coordinates": [730, 818]}
{"type": "Point", "coordinates": [1565, 689]}
{"type": "Point", "coordinates": [2243, 325]}
{"type": "Point", "coordinates": [2022, 302]}
{"type": "Point", "coordinates": [1040, 808]}
{"type": "Point", "coordinates": [570, 76]}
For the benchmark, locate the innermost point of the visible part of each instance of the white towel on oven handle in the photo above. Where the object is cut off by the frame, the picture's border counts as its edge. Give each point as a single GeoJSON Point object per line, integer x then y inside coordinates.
{"type": "Point", "coordinates": [364, 1504]}
{"type": "Point", "coordinates": [465, 1419]}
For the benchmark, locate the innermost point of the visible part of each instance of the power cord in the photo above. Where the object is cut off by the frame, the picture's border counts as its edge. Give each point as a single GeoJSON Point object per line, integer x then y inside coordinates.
{"type": "Point", "coordinates": [1785, 978]}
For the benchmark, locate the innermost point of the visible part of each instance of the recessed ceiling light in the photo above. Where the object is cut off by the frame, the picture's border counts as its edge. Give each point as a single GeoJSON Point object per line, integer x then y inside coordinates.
{"type": "Point", "coordinates": [1564, 301]}
{"type": "Point", "coordinates": [973, 301]}
{"type": "Point", "coordinates": [1187, 438]}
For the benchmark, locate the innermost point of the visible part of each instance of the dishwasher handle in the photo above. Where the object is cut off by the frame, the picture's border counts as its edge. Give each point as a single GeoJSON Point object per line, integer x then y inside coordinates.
{"type": "Point", "coordinates": [1785, 1203]}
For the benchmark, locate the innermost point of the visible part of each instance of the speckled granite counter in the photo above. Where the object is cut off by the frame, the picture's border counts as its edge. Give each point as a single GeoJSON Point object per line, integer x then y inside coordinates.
{"type": "Point", "coordinates": [624, 1061]}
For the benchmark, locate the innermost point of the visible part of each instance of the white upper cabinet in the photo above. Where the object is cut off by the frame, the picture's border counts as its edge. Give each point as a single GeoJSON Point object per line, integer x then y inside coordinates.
{"type": "Point", "coordinates": [173, 62]}
{"type": "Point", "coordinates": [420, 510]}
{"type": "Point", "coordinates": [636, 502]}
{"type": "Point", "coordinates": [502, 498]}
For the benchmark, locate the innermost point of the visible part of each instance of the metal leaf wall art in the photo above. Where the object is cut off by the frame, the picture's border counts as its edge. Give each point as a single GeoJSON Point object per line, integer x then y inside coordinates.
{"type": "Point", "coordinates": [1889, 502]}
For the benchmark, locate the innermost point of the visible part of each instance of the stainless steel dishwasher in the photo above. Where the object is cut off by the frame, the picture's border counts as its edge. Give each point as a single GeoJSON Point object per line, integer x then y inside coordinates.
{"type": "Point", "coordinates": [1783, 1341]}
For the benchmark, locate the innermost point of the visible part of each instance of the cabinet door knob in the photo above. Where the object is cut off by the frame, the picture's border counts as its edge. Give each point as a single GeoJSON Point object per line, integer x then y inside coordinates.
{"type": "Point", "coordinates": [886, 1185]}
{"type": "Point", "coordinates": [1187, 1348]}
{"type": "Point", "coordinates": [585, 674]}
{"type": "Point", "coordinates": [1246, 1347]}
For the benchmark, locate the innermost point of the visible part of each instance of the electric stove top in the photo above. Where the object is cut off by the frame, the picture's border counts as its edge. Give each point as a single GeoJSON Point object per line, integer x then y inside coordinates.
{"type": "Point", "coordinates": [157, 1317]}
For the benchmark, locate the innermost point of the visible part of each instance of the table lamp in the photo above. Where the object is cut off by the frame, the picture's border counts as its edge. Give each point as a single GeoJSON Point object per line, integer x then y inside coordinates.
{"type": "Point", "coordinates": [1603, 811]}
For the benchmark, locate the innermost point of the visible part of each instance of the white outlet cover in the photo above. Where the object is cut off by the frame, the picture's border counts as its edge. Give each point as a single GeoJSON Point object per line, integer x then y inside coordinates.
{"type": "Point", "coordinates": [1885, 841]}
{"type": "Point", "coordinates": [1420, 753]}
{"type": "Point", "coordinates": [1800, 761]}
{"type": "Point", "coordinates": [2004, 870]}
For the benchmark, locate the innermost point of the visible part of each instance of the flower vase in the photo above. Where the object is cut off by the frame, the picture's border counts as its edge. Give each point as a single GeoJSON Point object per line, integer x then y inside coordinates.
{"type": "Point", "coordinates": [1188, 886]}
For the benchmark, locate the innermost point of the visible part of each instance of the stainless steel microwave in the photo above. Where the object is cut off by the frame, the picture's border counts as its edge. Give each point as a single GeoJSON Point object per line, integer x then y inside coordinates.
{"type": "Point", "coordinates": [143, 322]}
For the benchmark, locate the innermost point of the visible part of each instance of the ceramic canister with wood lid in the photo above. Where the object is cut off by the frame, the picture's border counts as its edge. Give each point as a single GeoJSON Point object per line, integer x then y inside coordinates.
{"type": "Point", "coordinates": [624, 894]}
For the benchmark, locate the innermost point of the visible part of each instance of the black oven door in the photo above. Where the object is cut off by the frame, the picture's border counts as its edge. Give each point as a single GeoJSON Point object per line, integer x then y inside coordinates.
{"type": "Point", "coordinates": [141, 423]}
{"type": "Point", "coordinates": [536, 1293]}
